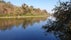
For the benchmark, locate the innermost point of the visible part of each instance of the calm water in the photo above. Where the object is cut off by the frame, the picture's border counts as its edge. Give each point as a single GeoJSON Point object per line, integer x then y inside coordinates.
{"type": "Point", "coordinates": [24, 29]}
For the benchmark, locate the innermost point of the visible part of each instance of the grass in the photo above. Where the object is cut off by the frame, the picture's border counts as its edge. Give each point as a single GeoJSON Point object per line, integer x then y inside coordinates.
{"type": "Point", "coordinates": [23, 16]}
{"type": "Point", "coordinates": [20, 16]}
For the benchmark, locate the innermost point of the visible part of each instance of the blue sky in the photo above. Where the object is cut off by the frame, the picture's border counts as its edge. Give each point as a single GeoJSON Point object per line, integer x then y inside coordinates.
{"type": "Point", "coordinates": [42, 4]}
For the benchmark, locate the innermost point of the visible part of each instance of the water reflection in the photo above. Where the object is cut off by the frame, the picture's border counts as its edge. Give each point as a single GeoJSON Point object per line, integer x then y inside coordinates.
{"type": "Point", "coordinates": [61, 30]}
{"type": "Point", "coordinates": [9, 23]}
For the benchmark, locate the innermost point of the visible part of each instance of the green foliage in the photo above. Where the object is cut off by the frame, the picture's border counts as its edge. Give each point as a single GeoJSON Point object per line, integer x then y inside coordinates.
{"type": "Point", "coordinates": [63, 11]}
{"type": "Point", "coordinates": [62, 27]}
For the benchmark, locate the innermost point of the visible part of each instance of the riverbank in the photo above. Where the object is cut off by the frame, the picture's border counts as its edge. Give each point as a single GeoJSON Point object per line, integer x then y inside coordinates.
{"type": "Point", "coordinates": [22, 16]}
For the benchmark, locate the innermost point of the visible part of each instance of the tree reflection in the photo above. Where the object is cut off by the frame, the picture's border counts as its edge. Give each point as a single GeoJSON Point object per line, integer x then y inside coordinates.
{"type": "Point", "coordinates": [10, 23]}
{"type": "Point", "coordinates": [60, 30]}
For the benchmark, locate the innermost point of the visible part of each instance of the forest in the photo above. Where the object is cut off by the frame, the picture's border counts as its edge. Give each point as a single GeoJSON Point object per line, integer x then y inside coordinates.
{"type": "Point", "coordinates": [8, 9]}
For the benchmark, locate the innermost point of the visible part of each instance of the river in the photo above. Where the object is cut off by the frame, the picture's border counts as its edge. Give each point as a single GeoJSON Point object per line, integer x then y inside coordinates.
{"type": "Point", "coordinates": [25, 29]}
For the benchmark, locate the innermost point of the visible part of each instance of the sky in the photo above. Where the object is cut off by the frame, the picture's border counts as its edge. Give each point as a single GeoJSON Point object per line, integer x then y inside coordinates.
{"type": "Point", "coordinates": [42, 4]}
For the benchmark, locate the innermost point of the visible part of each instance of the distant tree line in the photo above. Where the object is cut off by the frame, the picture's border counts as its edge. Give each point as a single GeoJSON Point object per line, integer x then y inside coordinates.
{"type": "Point", "coordinates": [8, 9]}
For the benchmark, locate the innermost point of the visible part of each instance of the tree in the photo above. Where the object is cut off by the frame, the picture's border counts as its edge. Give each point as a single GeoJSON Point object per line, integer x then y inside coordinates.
{"type": "Point", "coordinates": [25, 8]}
{"type": "Point", "coordinates": [62, 27]}
{"type": "Point", "coordinates": [31, 9]}
{"type": "Point", "coordinates": [63, 11]}
{"type": "Point", "coordinates": [2, 1]}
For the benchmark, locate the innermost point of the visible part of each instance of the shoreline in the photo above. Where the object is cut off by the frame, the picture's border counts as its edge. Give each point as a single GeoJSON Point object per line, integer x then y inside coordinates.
{"type": "Point", "coordinates": [23, 16]}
